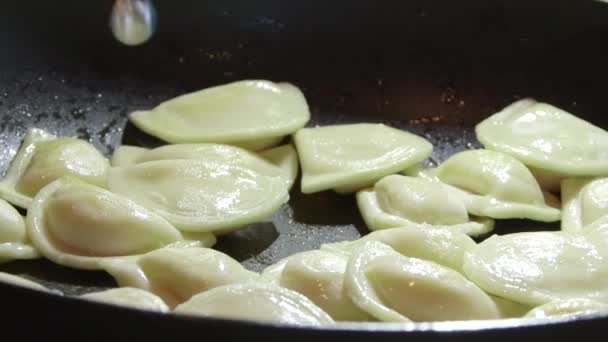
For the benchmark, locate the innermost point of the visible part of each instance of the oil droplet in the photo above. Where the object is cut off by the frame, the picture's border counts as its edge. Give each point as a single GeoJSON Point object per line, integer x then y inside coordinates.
{"type": "Point", "coordinates": [133, 22]}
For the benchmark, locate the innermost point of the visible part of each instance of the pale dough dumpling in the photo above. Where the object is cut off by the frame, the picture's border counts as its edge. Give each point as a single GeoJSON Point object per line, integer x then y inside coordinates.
{"type": "Point", "coordinates": [351, 157]}
{"type": "Point", "coordinates": [496, 185]}
{"type": "Point", "coordinates": [256, 302]}
{"type": "Point", "coordinates": [129, 297]}
{"type": "Point", "coordinates": [442, 245]}
{"type": "Point", "coordinates": [395, 288]}
{"type": "Point", "coordinates": [20, 281]}
{"type": "Point", "coordinates": [77, 224]}
{"type": "Point", "coordinates": [510, 309]}
{"type": "Point", "coordinates": [254, 114]}
{"type": "Point", "coordinates": [584, 202]}
{"type": "Point", "coordinates": [318, 275]}
{"type": "Point", "coordinates": [397, 201]}
{"type": "Point", "coordinates": [281, 161]}
{"type": "Point", "coordinates": [14, 243]}
{"type": "Point", "coordinates": [539, 267]}
{"type": "Point", "coordinates": [176, 274]}
{"type": "Point", "coordinates": [285, 157]}
{"type": "Point", "coordinates": [568, 307]}
{"type": "Point", "coordinates": [203, 195]}
{"type": "Point", "coordinates": [549, 140]}
{"type": "Point", "coordinates": [43, 158]}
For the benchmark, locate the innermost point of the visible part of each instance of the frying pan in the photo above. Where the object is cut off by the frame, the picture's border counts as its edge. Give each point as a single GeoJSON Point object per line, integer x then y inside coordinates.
{"type": "Point", "coordinates": [435, 68]}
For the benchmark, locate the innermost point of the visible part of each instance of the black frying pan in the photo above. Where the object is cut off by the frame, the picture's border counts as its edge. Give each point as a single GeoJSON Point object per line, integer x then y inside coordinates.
{"type": "Point", "coordinates": [433, 67]}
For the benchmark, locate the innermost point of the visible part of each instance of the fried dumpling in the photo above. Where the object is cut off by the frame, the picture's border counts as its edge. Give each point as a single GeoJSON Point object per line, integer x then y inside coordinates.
{"type": "Point", "coordinates": [585, 201]}
{"type": "Point", "coordinates": [256, 302]}
{"type": "Point", "coordinates": [568, 307]}
{"type": "Point", "coordinates": [203, 195]}
{"type": "Point", "coordinates": [130, 297]}
{"type": "Point", "coordinates": [176, 274]}
{"type": "Point", "coordinates": [14, 243]}
{"type": "Point", "coordinates": [318, 275]}
{"type": "Point", "coordinates": [538, 267]}
{"type": "Point", "coordinates": [510, 309]}
{"type": "Point", "coordinates": [253, 114]}
{"type": "Point", "coordinates": [77, 224]}
{"type": "Point", "coordinates": [351, 157]}
{"type": "Point", "coordinates": [394, 288]}
{"type": "Point", "coordinates": [398, 200]}
{"type": "Point", "coordinates": [496, 185]}
{"type": "Point", "coordinates": [43, 158]}
{"type": "Point", "coordinates": [20, 281]}
{"type": "Point", "coordinates": [552, 142]}
{"type": "Point", "coordinates": [285, 157]}
{"type": "Point", "coordinates": [271, 162]}
{"type": "Point", "coordinates": [442, 245]}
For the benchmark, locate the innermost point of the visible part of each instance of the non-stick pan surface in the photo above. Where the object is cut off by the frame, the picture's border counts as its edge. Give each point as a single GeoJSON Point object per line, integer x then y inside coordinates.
{"type": "Point", "coordinates": [435, 68]}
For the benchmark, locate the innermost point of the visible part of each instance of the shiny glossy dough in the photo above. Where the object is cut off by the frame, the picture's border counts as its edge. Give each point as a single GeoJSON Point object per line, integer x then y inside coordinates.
{"type": "Point", "coordinates": [255, 301]}
{"type": "Point", "coordinates": [350, 157]}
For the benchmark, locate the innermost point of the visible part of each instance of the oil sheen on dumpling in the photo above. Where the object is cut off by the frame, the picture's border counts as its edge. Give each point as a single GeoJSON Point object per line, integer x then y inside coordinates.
{"type": "Point", "coordinates": [279, 161]}
{"type": "Point", "coordinates": [176, 274]}
{"type": "Point", "coordinates": [318, 275]}
{"type": "Point", "coordinates": [568, 307]}
{"type": "Point", "coordinates": [584, 202]}
{"type": "Point", "coordinates": [14, 243]}
{"type": "Point", "coordinates": [348, 158]}
{"type": "Point", "coordinates": [397, 201]}
{"type": "Point", "coordinates": [203, 195]}
{"type": "Point", "coordinates": [130, 297]}
{"type": "Point", "coordinates": [256, 302]}
{"type": "Point", "coordinates": [77, 224]}
{"type": "Point", "coordinates": [43, 158]}
{"type": "Point", "coordinates": [552, 142]}
{"type": "Point", "coordinates": [20, 281]}
{"type": "Point", "coordinates": [285, 157]}
{"type": "Point", "coordinates": [254, 114]}
{"type": "Point", "coordinates": [538, 267]}
{"type": "Point", "coordinates": [496, 185]}
{"type": "Point", "coordinates": [443, 246]}
{"type": "Point", "coordinates": [395, 288]}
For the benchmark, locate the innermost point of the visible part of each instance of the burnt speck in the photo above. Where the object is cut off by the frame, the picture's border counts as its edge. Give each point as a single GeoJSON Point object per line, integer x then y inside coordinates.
{"type": "Point", "coordinates": [83, 133]}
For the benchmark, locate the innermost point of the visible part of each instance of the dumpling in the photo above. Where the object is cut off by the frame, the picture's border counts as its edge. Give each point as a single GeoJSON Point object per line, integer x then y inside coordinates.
{"type": "Point", "coordinates": [43, 158]}
{"type": "Point", "coordinates": [552, 142]}
{"type": "Point", "coordinates": [285, 157]}
{"type": "Point", "coordinates": [568, 307]}
{"type": "Point", "coordinates": [254, 114]}
{"type": "Point", "coordinates": [20, 281]}
{"type": "Point", "coordinates": [129, 297]}
{"type": "Point", "coordinates": [584, 202]}
{"type": "Point", "coordinates": [442, 245]}
{"type": "Point", "coordinates": [279, 161]}
{"type": "Point", "coordinates": [496, 185]}
{"type": "Point", "coordinates": [256, 302]}
{"type": "Point", "coordinates": [203, 195]}
{"type": "Point", "coordinates": [510, 309]}
{"type": "Point", "coordinates": [351, 157]}
{"type": "Point", "coordinates": [77, 224]}
{"type": "Point", "coordinates": [318, 275]}
{"type": "Point", "coordinates": [125, 155]}
{"type": "Point", "coordinates": [395, 288]}
{"type": "Point", "coordinates": [398, 200]}
{"type": "Point", "coordinates": [538, 267]}
{"type": "Point", "coordinates": [14, 243]}
{"type": "Point", "coordinates": [176, 274]}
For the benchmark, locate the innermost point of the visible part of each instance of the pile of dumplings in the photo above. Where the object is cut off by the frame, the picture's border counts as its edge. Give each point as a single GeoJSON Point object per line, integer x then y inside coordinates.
{"type": "Point", "coordinates": [149, 217]}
